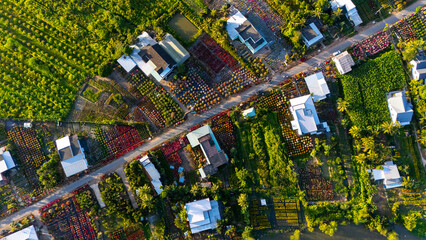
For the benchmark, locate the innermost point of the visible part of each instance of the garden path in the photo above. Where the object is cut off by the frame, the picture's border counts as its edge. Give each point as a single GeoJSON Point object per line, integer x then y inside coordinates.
{"type": "Point", "coordinates": [120, 171]}
{"type": "Point", "coordinates": [195, 119]}
{"type": "Point", "coordinates": [97, 192]}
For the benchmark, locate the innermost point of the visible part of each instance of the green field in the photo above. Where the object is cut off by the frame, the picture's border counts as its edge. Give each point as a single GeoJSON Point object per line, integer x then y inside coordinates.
{"type": "Point", "coordinates": [366, 86]}
{"type": "Point", "coordinates": [48, 48]}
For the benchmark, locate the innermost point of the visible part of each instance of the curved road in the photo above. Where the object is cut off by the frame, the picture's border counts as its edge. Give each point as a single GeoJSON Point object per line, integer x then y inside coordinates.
{"type": "Point", "coordinates": [229, 103]}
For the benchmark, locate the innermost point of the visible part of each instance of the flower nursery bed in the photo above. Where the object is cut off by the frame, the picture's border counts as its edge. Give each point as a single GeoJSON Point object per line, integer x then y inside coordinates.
{"type": "Point", "coordinates": [317, 187]}
{"type": "Point", "coordinates": [132, 233]}
{"type": "Point", "coordinates": [220, 52]}
{"type": "Point", "coordinates": [239, 81]}
{"type": "Point", "coordinates": [403, 30]}
{"type": "Point", "coordinates": [31, 157]}
{"type": "Point", "coordinates": [65, 220]}
{"type": "Point", "coordinates": [223, 129]}
{"type": "Point", "coordinates": [371, 46]}
{"type": "Point", "coordinates": [118, 140]}
{"type": "Point", "coordinates": [287, 212]}
{"type": "Point", "coordinates": [192, 91]}
{"type": "Point", "coordinates": [204, 54]}
{"type": "Point", "coordinates": [161, 104]}
{"type": "Point", "coordinates": [258, 217]}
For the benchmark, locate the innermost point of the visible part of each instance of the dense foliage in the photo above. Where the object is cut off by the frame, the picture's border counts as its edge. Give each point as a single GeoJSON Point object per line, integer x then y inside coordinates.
{"type": "Point", "coordinates": [295, 14]}
{"type": "Point", "coordinates": [366, 86]}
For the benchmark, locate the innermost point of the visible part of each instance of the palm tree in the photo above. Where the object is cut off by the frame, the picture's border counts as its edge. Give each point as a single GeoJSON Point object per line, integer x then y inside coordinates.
{"type": "Point", "coordinates": [342, 105]}
{"type": "Point", "coordinates": [390, 127]}
{"type": "Point", "coordinates": [337, 13]}
{"type": "Point", "coordinates": [355, 131]}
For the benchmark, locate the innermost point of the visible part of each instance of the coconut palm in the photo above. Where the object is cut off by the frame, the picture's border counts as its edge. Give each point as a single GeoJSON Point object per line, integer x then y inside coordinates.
{"type": "Point", "coordinates": [342, 105]}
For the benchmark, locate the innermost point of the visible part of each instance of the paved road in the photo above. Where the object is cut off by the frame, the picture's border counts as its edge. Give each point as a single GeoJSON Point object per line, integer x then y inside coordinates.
{"type": "Point", "coordinates": [193, 120]}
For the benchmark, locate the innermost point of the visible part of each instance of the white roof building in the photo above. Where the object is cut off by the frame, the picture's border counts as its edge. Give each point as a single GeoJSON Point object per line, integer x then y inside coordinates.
{"type": "Point", "coordinates": [419, 67]}
{"type": "Point", "coordinates": [127, 63]}
{"type": "Point", "coordinates": [28, 233]}
{"type": "Point", "coordinates": [389, 175]}
{"type": "Point", "coordinates": [351, 12]}
{"type": "Point", "coordinates": [399, 109]}
{"type": "Point", "coordinates": [155, 59]}
{"type": "Point", "coordinates": [202, 215]}
{"type": "Point", "coordinates": [153, 174]}
{"type": "Point", "coordinates": [344, 62]}
{"type": "Point", "coordinates": [305, 116]}
{"type": "Point", "coordinates": [317, 86]}
{"type": "Point", "coordinates": [72, 156]}
{"type": "Point", "coordinates": [6, 161]}
{"type": "Point", "coordinates": [311, 35]}
{"type": "Point", "coordinates": [249, 112]}
{"type": "Point", "coordinates": [214, 155]}
{"type": "Point", "coordinates": [239, 27]}
{"type": "Point", "coordinates": [174, 49]}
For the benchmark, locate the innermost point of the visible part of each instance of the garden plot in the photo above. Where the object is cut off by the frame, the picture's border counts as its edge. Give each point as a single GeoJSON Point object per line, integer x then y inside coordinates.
{"type": "Point", "coordinates": [65, 220]}
{"type": "Point", "coordinates": [101, 100]}
{"type": "Point", "coordinates": [132, 233]}
{"type": "Point", "coordinates": [287, 212]}
{"type": "Point", "coordinates": [8, 201]}
{"type": "Point", "coordinates": [31, 157]}
{"type": "Point", "coordinates": [157, 104]}
{"type": "Point", "coordinates": [239, 81]}
{"type": "Point", "coordinates": [410, 28]}
{"type": "Point", "coordinates": [192, 91]}
{"type": "Point", "coordinates": [365, 87]}
{"type": "Point", "coordinates": [295, 145]}
{"type": "Point", "coordinates": [172, 153]}
{"type": "Point", "coordinates": [258, 216]}
{"type": "Point", "coordinates": [116, 141]}
{"type": "Point", "coordinates": [371, 46]}
{"type": "Point", "coordinates": [316, 186]}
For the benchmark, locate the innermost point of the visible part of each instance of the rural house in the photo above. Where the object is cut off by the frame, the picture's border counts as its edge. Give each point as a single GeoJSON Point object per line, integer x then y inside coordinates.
{"type": "Point", "coordinates": [202, 215]}
{"type": "Point", "coordinates": [28, 233]}
{"type": "Point", "coordinates": [389, 176]}
{"type": "Point", "coordinates": [239, 27]}
{"type": "Point", "coordinates": [311, 35]}
{"type": "Point", "coordinates": [344, 62]}
{"type": "Point", "coordinates": [6, 163]}
{"type": "Point", "coordinates": [317, 86]}
{"type": "Point", "coordinates": [419, 67]}
{"type": "Point", "coordinates": [153, 174]}
{"type": "Point", "coordinates": [215, 156]}
{"type": "Point", "coordinates": [305, 116]}
{"type": "Point", "coordinates": [156, 60]}
{"type": "Point", "coordinates": [71, 154]}
{"type": "Point", "coordinates": [399, 109]}
{"type": "Point", "coordinates": [349, 10]}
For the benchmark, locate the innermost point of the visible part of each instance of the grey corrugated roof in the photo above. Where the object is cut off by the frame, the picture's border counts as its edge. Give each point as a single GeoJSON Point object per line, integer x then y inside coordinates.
{"type": "Point", "coordinates": [158, 56]}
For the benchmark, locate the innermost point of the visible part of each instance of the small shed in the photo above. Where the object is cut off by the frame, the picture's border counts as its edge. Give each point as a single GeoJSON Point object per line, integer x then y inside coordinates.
{"type": "Point", "coordinates": [249, 112]}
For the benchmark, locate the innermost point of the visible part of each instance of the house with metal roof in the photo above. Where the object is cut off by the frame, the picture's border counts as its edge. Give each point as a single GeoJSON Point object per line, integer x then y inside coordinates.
{"type": "Point", "coordinates": [399, 109]}
{"type": "Point", "coordinates": [28, 233]}
{"type": "Point", "coordinates": [389, 175]}
{"type": "Point", "coordinates": [152, 173]}
{"type": "Point", "coordinates": [317, 86]}
{"type": "Point", "coordinates": [343, 62]}
{"type": "Point", "coordinates": [6, 163]}
{"type": "Point", "coordinates": [305, 116]}
{"type": "Point", "coordinates": [215, 156]}
{"type": "Point", "coordinates": [249, 112]}
{"type": "Point", "coordinates": [174, 49]}
{"type": "Point", "coordinates": [71, 154]}
{"type": "Point", "coordinates": [202, 215]}
{"type": "Point", "coordinates": [156, 60]}
{"type": "Point", "coordinates": [418, 70]}
{"type": "Point", "coordinates": [311, 35]}
{"type": "Point", "coordinates": [239, 27]}
{"type": "Point", "coordinates": [349, 10]}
